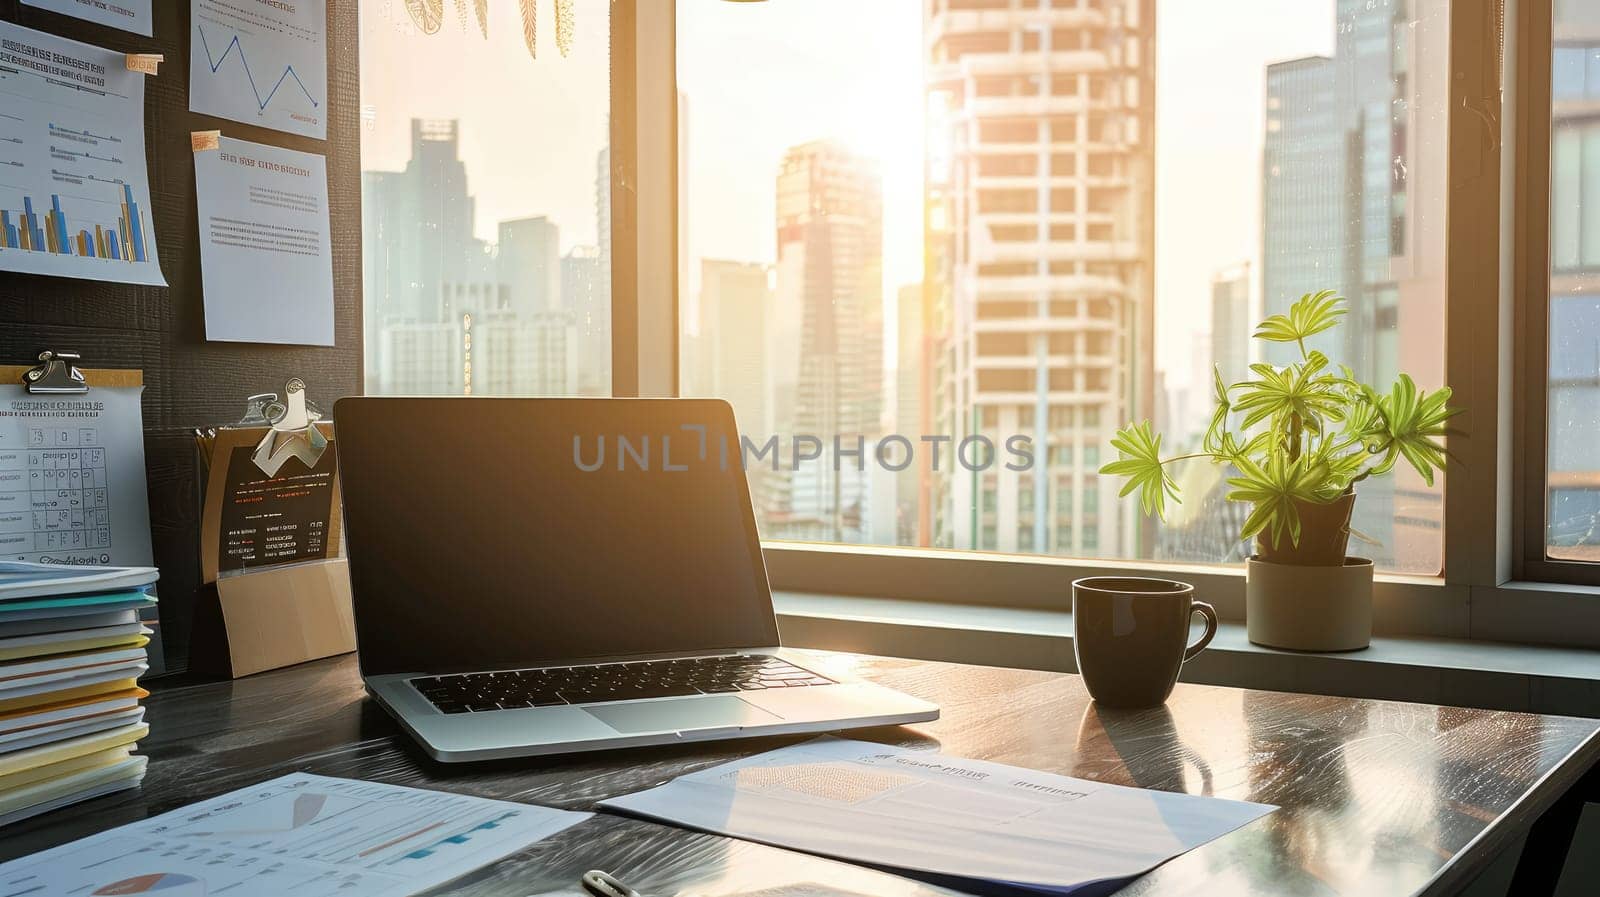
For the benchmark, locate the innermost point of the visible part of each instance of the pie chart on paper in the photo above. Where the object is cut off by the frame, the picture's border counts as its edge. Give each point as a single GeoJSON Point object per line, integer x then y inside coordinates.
{"type": "Point", "coordinates": [164, 884]}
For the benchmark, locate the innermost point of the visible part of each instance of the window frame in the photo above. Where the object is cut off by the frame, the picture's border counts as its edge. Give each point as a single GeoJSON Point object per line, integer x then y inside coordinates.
{"type": "Point", "coordinates": [1535, 130]}
{"type": "Point", "coordinates": [1490, 588]}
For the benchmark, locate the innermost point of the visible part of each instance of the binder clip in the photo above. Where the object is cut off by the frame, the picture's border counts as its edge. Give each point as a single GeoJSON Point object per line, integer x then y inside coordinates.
{"type": "Point", "coordinates": [293, 432]}
{"type": "Point", "coordinates": [56, 375]}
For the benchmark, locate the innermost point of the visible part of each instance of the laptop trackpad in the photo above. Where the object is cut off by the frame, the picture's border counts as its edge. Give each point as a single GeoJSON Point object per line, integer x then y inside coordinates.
{"type": "Point", "coordinates": [715, 712]}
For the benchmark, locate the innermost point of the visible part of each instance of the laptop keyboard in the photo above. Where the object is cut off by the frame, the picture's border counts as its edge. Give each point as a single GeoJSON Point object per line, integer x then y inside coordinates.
{"type": "Point", "coordinates": [601, 683]}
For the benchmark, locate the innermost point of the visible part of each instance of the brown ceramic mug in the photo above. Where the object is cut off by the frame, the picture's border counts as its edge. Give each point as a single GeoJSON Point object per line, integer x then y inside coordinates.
{"type": "Point", "coordinates": [1131, 636]}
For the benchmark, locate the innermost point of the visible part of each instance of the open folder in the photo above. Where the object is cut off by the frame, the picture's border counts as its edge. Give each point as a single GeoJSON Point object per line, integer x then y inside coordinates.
{"type": "Point", "coordinates": [954, 821]}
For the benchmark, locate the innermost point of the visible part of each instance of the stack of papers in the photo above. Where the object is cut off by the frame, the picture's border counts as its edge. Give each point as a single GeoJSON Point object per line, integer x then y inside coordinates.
{"type": "Point", "coordinates": [71, 653]}
{"type": "Point", "coordinates": [964, 823]}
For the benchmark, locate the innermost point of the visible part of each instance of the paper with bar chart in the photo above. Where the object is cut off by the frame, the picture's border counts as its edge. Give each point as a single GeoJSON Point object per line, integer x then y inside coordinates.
{"type": "Point", "coordinates": [129, 15]}
{"type": "Point", "coordinates": [301, 834]}
{"type": "Point", "coordinates": [74, 190]}
{"type": "Point", "coordinates": [263, 64]}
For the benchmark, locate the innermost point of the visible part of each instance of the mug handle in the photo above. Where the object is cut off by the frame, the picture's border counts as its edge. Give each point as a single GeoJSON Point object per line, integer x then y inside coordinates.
{"type": "Point", "coordinates": [1210, 613]}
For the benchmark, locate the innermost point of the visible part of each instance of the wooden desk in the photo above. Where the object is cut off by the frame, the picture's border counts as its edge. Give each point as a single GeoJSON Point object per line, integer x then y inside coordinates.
{"type": "Point", "coordinates": [1377, 798]}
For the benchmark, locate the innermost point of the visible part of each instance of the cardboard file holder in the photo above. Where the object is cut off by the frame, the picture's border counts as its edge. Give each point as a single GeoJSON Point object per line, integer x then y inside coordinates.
{"type": "Point", "coordinates": [273, 617]}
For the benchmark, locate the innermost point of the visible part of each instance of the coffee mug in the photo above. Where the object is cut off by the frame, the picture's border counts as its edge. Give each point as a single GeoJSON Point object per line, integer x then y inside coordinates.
{"type": "Point", "coordinates": [1131, 635]}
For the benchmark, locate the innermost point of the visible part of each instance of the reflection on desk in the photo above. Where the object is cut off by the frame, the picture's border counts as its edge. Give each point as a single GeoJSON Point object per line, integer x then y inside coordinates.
{"type": "Point", "coordinates": [1377, 797]}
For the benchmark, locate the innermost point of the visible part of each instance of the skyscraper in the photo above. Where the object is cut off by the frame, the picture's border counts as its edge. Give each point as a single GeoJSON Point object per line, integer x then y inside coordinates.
{"type": "Point", "coordinates": [452, 314]}
{"type": "Point", "coordinates": [586, 294]}
{"type": "Point", "coordinates": [529, 264]}
{"type": "Point", "coordinates": [735, 302]}
{"type": "Point", "coordinates": [830, 306]}
{"type": "Point", "coordinates": [1302, 189]}
{"type": "Point", "coordinates": [1353, 195]}
{"type": "Point", "coordinates": [1047, 180]}
{"type": "Point", "coordinates": [419, 228]}
{"type": "Point", "coordinates": [909, 406]}
{"type": "Point", "coordinates": [1231, 326]}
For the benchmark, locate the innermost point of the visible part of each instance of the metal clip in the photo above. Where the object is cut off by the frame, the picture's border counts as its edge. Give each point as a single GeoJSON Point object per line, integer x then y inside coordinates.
{"type": "Point", "coordinates": [56, 375]}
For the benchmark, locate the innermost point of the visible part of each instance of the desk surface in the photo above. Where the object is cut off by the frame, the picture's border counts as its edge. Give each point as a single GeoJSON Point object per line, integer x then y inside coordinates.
{"type": "Point", "coordinates": [1377, 797]}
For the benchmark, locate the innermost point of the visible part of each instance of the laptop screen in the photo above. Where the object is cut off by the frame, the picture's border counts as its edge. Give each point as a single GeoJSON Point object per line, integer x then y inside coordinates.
{"type": "Point", "coordinates": [489, 533]}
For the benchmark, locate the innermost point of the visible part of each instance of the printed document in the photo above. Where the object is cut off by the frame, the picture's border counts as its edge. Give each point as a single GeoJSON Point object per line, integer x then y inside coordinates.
{"type": "Point", "coordinates": [72, 486]}
{"type": "Point", "coordinates": [959, 820]}
{"type": "Point", "coordinates": [129, 15]}
{"type": "Point", "coordinates": [301, 834]}
{"type": "Point", "coordinates": [264, 64]}
{"type": "Point", "coordinates": [266, 263]}
{"type": "Point", "coordinates": [74, 191]}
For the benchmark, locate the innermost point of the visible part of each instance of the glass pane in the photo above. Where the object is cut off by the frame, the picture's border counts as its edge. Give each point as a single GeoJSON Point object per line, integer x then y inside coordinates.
{"type": "Point", "coordinates": [1573, 483]}
{"type": "Point", "coordinates": [991, 232]}
{"type": "Point", "coordinates": [486, 241]}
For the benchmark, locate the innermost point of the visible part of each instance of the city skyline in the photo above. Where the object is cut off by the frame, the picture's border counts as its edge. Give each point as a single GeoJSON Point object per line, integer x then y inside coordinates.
{"type": "Point", "coordinates": [1348, 183]}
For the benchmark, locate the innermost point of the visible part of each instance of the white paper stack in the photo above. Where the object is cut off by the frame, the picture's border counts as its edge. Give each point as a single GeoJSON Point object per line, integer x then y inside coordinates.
{"type": "Point", "coordinates": [71, 652]}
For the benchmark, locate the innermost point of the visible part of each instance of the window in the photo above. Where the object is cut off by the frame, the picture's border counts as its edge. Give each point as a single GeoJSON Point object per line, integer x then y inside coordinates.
{"type": "Point", "coordinates": [971, 233]}
{"type": "Point", "coordinates": [1572, 473]}
{"type": "Point", "coordinates": [486, 245]}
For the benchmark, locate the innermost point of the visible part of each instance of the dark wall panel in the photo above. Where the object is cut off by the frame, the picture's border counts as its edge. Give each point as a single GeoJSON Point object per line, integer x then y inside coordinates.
{"type": "Point", "coordinates": [189, 382]}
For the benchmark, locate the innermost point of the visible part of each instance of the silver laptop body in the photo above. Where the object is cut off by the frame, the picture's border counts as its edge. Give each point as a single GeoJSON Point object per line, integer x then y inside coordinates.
{"type": "Point", "coordinates": [516, 564]}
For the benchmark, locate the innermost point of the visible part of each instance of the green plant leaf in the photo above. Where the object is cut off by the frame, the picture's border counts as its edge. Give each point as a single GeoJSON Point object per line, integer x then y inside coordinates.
{"type": "Point", "coordinates": [1309, 315]}
{"type": "Point", "coordinates": [1217, 431]}
{"type": "Point", "coordinates": [1139, 460]}
{"type": "Point", "coordinates": [1279, 395]}
{"type": "Point", "coordinates": [1272, 490]}
{"type": "Point", "coordinates": [1413, 423]}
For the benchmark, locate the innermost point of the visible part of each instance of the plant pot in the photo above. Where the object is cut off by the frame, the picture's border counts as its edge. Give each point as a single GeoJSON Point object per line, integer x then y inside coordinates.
{"type": "Point", "coordinates": [1309, 608]}
{"type": "Point", "coordinates": [1324, 535]}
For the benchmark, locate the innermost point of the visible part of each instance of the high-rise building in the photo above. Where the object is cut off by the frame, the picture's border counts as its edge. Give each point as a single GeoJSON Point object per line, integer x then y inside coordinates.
{"type": "Point", "coordinates": [421, 358]}
{"type": "Point", "coordinates": [1353, 195]}
{"type": "Point", "coordinates": [419, 227]}
{"type": "Point", "coordinates": [909, 405]}
{"type": "Point", "coordinates": [1046, 175]}
{"type": "Point", "coordinates": [1231, 326]}
{"type": "Point", "coordinates": [529, 264]}
{"type": "Point", "coordinates": [1574, 465]}
{"type": "Point", "coordinates": [830, 307]}
{"type": "Point", "coordinates": [454, 315]}
{"type": "Point", "coordinates": [1302, 191]}
{"type": "Point", "coordinates": [735, 301]}
{"type": "Point", "coordinates": [521, 354]}
{"type": "Point", "coordinates": [586, 294]}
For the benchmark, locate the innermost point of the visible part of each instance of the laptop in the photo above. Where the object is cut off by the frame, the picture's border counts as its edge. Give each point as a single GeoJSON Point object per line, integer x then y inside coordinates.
{"type": "Point", "coordinates": [543, 576]}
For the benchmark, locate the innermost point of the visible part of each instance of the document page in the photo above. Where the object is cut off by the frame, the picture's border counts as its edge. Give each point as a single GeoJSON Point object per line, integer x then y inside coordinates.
{"type": "Point", "coordinates": [72, 483]}
{"type": "Point", "coordinates": [129, 15]}
{"type": "Point", "coordinates": [74, 190]}
{"type": "Point", "coordinates": [266, 265]}
{"type": "Point", "coordinates": [301, 834]}
{"type": "Point", "coordinates": [930, 813]}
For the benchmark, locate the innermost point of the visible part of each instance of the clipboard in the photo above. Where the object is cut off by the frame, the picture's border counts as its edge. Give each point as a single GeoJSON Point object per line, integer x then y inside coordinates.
{"type": "Point", "coordinates": [110, 444]}
{"type": "Point", "coordinates": [93, 377]}
{"type": "Point", "coordinates": [275, 591]}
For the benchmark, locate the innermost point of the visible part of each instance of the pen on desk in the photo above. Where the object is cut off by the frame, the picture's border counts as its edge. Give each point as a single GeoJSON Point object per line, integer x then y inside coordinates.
{"type": "Point", "coordinates": [604, 884]}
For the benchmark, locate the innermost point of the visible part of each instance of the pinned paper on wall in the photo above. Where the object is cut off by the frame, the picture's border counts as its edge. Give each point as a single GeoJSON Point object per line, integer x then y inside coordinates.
{"type": "Point", "coordinates": [75, 195]}
{"type": "Point", "coordinates": [128, 15]}
{"type": "Point", "coordinates": [263, 64]}
{"type": "Point", "coordinates": [266, 263]}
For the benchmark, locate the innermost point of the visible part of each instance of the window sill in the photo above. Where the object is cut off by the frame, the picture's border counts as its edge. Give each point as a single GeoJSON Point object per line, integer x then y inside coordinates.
{"type": "Point", "coordinates": [1458, 672]}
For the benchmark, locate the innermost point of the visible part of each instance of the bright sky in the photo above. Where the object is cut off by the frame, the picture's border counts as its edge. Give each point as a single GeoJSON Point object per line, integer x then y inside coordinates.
{"type": "Point", "coordinates": [761, 77]}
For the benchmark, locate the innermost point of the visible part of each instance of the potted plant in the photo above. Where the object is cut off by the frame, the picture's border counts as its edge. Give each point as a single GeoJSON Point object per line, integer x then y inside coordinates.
{"type": "Point", "coordinates": [1306, 435]}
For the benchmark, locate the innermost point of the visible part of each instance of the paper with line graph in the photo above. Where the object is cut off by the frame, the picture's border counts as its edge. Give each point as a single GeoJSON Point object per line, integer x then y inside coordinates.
{"type": "Point", "coordinates": [261, 63]}
{"type": "Point", "coordinates": [301, 834]}
{"type": "Point", "coordinates": [959, 821]}
{"type": "Point", "coordinates": [74, 190]}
